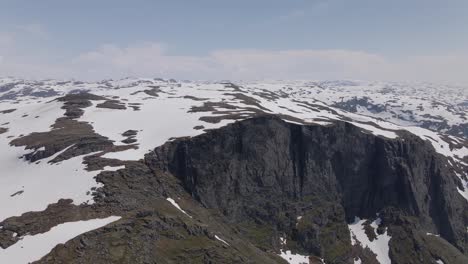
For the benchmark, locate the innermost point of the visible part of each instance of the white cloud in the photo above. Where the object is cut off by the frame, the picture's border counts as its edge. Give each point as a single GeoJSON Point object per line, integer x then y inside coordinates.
{"type": "Point", "coordinates": [298, 64]}
{"type": "Point", "coordinates": [297, 13]}
{"type": "Point", "coordinates": [152, 60]}
{"type": "Point", "coordinates": [6, 39]}
{"type": "Point", "coordinates": [33, 29]}
{"type": "Point", "coordinates": [147, 59]}
{"type": "Point", "coordinates": [439, 68]}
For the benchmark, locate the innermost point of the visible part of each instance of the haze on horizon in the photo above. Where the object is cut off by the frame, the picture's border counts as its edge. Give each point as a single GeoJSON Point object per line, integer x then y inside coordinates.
{"type": "Point", "coordinates": [416, 40]}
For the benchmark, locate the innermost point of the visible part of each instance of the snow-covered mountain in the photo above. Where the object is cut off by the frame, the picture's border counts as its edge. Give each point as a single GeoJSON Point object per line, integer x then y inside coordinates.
{"type": "Point", "coordinates": [77, 156]}
{"type": "Point", "coordinates": [441, 108]}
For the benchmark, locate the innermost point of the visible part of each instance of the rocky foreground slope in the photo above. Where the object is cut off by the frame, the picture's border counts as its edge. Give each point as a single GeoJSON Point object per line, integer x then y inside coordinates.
{"type": "Point", "coordinates": [155, 171]}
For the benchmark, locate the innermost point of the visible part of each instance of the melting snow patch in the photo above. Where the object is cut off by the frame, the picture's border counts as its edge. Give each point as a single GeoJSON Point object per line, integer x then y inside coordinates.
{"type": "Point", "coordinates": [298, 220]}
{"type": "Point", "coordinates": [217, 237]}
{"type": "Point", "coordinates": [439, 261]}
{"type": "Point", "coordinates": [376, 131]}
{"type": "Point", "coordinates": [294, 258]}
{"type": "Point", "coordinates": [129, 154]}
{"type": "Point", "coordinates": [290, 257]}
{"type": "Point", "coordinates": [32, 248]}
{"type": "Point", "coordinates": [40, 149]}
{"type": "Point", "coordinates": [282, 241]}
{"type": "Point", "coordinates": [177, 206]}
{"type": "Point", "coordinates": [375, 224]}
{"type": "Point", "coordinates": [430, 234]}
{"type": "Point", "coordinates": [357, 261]}
{"type": "Point", "coordinates": [116, 168]}
{"type": "Point", "coordinates": [463, 192]}
{"type": "Point", "coordinates": [379, 246]}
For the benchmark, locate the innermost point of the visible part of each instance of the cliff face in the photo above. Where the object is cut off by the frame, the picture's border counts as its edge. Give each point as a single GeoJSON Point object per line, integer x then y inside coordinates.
{"type": "Point", "coordinates": [264, 175]}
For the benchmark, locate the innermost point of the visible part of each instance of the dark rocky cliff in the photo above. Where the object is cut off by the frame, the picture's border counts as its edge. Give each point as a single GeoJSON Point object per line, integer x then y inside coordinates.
{"type": "Point", "coordinates": [263, 173]}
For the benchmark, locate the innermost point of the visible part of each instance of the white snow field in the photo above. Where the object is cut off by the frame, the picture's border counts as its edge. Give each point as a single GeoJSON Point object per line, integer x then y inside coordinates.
{"type": "Point", "coordinates": [32, 248]}
{"type": "Point", "coordinates": [26, 186]}
{"type": "Point", "coordinates": [405, 103]}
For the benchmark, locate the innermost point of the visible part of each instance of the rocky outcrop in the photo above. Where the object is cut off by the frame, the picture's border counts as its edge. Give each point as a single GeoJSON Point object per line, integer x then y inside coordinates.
{"type": "Point", "coordinates": [263, 173]}
{"type": "Point", "coordinates": [7, 111]}
{"type": "Point", "coordinates": [112, 104]}
{"type": "Point", "coordinates": [74, 103]}
{"type": "Point", "coordinates": [69, 134]}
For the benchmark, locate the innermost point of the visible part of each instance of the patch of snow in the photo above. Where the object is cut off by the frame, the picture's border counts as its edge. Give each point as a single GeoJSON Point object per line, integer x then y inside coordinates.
{"type": "Point", "coordinates": [376, 131]}
{"type": "Point", "coordinates": [357, 261]}
{"type": "Point", "coordinates": [322, 123]}
{"type": "Point", "coordinates": [294, 258]}
{"type": "Point", "coordinates": [282, 241]}
{"type": "Point", "coordinates": [439, 261]}
{"type": "Point", "coordinates": [430, 234]}
{"type": "Point", "coordinates": [40, 149]}
{"type": "Point", "coordinates": [463, 192]}
{"type": "Point", "coordinates": [177, 206]}
{"type": "Point", "coordinates": [111, 168]}
{"type": "Point", "coordinates": [32, 248]}
{"type": "Point", "coordinates": [298, 220]}
{"type": "Point", "coordinates": [129, 154]}
{"type": "Point", "coordinates": [376, 223]}
{"type": "Point", "coordinates": [217, 237]}
{"type": "Point", "coordinates": [290, 257]}
{"type": "Point", "coordinates": [379, 246]}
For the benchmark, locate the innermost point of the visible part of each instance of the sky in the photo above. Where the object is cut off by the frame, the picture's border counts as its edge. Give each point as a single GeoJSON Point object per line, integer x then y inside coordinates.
{"type": "Point", "coordinates": [398, 40]}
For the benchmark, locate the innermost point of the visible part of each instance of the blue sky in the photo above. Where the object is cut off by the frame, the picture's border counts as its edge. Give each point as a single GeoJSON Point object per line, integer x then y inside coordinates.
{"type": "Point", "coordinates": [209, 39]}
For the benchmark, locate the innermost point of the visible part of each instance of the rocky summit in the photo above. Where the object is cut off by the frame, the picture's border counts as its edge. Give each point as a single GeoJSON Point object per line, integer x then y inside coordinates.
{"type": "Point", "coordinates": [165, 171]}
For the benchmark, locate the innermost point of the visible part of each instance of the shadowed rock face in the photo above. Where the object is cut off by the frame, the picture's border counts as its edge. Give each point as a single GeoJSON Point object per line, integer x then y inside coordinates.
{"type": "Point", "coordinates": [264, 172]}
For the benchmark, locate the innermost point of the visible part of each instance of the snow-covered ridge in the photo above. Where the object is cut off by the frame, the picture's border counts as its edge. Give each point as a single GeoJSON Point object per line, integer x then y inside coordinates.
{"type": "Point", "coordinates": [437, 107]}
{"type": "Point", "coordinates": [434, 106]}
{"type": "Point", "coordinates": [32, 248]}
